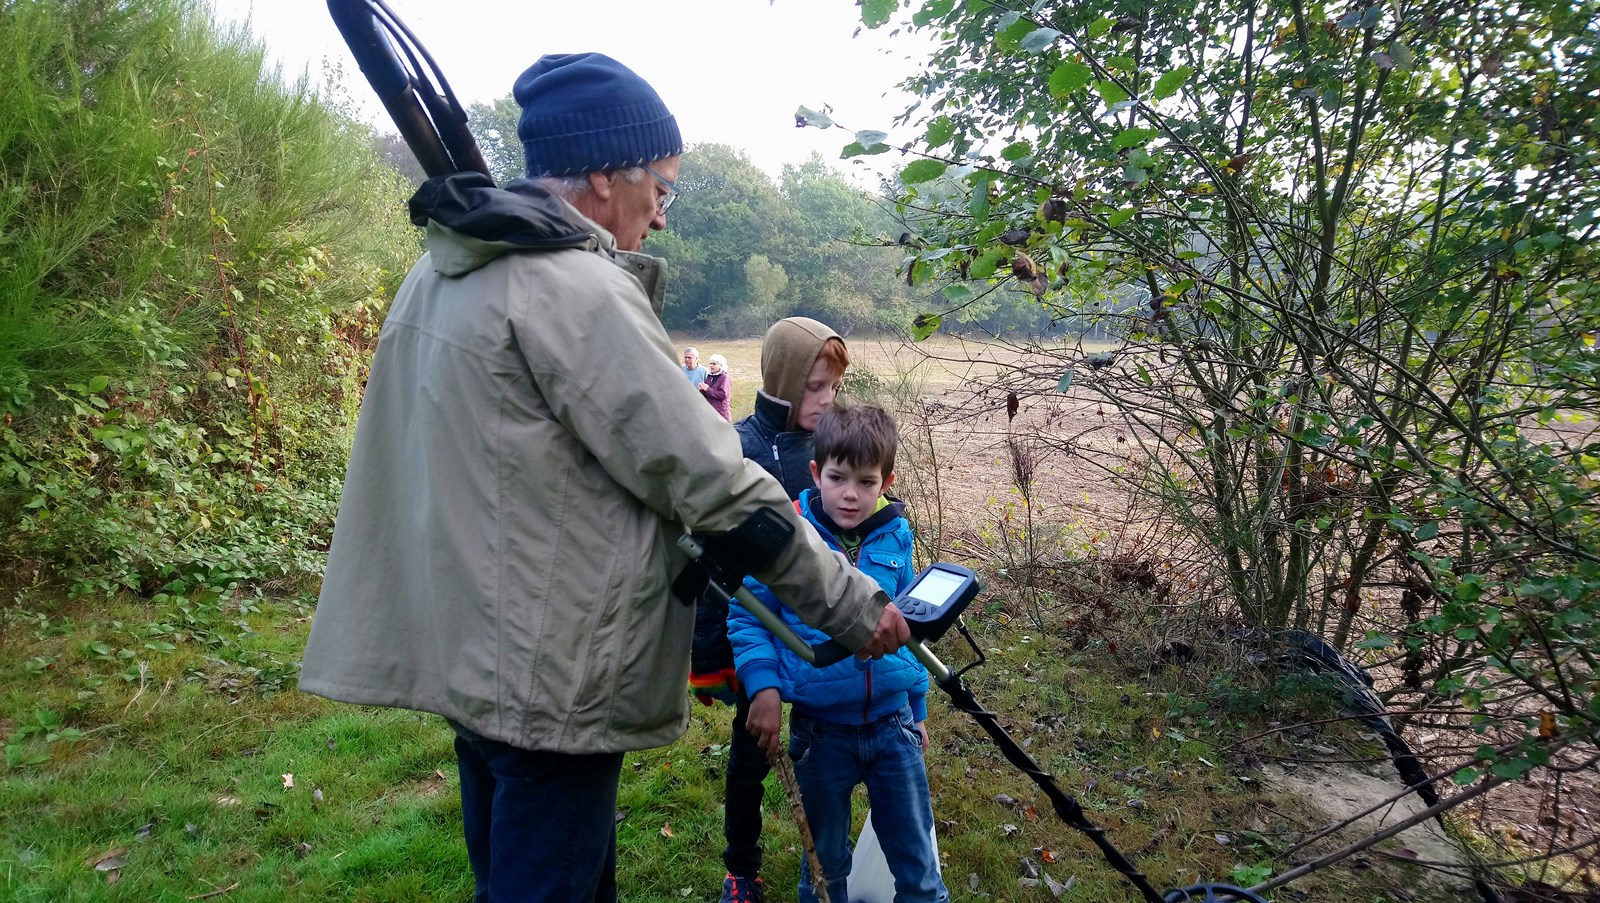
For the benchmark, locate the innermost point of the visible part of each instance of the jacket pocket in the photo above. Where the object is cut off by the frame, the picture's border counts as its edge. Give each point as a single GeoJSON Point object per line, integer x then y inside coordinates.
{"type": "Point", "coordinates": [891, 560]}
{"type": "Point", "coordinates": [800, 739]}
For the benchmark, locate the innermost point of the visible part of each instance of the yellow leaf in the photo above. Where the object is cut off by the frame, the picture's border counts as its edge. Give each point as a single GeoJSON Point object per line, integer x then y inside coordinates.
{"type": "Point", "coordinates": [1588, 340]}
{"type": "Point", "coordinates": [1547, 725]}
{"type": "Point", "coordinates": [1155, 733]}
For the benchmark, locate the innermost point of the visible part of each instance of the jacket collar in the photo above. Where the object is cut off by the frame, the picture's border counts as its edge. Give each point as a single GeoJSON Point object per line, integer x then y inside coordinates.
{"type": "Point", "coordinates": [771, 413]}
{"type": "Point", "coordinates": [811, 504]}
{"type": "Point", "coordinates": [471, 222]}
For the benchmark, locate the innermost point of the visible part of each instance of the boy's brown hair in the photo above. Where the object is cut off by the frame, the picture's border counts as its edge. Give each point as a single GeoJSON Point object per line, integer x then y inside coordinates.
{"type": "Point", "coordinates": [857, 435]}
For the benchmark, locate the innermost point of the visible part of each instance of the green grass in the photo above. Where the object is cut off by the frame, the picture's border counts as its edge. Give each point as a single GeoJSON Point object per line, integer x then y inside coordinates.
{"type": "Point", "coordinates": [182, 754]}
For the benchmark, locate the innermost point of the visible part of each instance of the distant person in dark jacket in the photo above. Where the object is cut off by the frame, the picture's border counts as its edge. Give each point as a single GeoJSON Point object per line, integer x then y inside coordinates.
{"type": "Point", "coordinates": [802, 366]}
{"type": "Point", "coordinates": [718, 386]}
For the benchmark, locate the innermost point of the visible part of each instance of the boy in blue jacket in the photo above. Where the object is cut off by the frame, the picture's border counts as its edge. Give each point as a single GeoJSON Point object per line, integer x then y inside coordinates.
{"type": "Point", "coordinates": [855, 721]}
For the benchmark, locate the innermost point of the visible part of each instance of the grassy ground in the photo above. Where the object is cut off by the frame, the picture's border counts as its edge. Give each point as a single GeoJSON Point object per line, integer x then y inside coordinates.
{"type": "Point", "coordinates": [148, 743]}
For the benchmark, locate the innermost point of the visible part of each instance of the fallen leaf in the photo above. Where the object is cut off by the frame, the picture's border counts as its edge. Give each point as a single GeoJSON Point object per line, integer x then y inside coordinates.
{"type": "Point", "coordinates": [113, 876]}
{"type": "Point", "coordinates": [666, 829]}
{"type": "Point", "coordinates": [144, 830]}
{"type": "Point", "coordinates": [288, 782]}
{"type": "Point", "coordinates": [1031, 811]}
{"type": "Point", "coordinates": [1030, 869]}
{"type": "Point", "coordinates": [621, 814]}
{"type": "Point", "coordinates": [229, 801]}
{"type": "Point", "coordinates": [302, 851]}
{"type": "Point", "coordinates": [316, 795]}
{"type": "Point", "coordinates": [1222, 839]}
{"type": "Point", "coordinates": [107, 861]}
{"type": "Point", "coordinates": [1155, 733]}
{"type": "Point", "coordinates": [1047, 855]}
{"type": "Point", "coordinates": [439, 774]}
{"type": "Point", "coordinates": [331, 744]}
{"type": "Point", "coordinates": [1010, 829]}
{"type": "Point", "coordinates": [1004, 800]}
{"type": "Point", "coordinates": [1056, 887]}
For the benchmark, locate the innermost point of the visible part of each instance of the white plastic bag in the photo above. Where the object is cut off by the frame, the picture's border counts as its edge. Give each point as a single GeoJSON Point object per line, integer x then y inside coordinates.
{"type": "Point", "coordinates": [870, 881]}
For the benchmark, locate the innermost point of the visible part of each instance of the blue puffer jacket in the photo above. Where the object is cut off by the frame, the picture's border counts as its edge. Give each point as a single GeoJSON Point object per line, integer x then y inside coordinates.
{"type": "Point", "coordinates": [851, 691]}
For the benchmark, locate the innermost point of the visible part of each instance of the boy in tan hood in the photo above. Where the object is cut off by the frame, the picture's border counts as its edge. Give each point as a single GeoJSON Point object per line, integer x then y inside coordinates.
{"type": "Point", "coordinates": [802, 365]}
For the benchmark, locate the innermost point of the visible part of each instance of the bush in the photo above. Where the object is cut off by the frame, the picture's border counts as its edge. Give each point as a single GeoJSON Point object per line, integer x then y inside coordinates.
{"type": "Point", "coordinates": [198, 257]}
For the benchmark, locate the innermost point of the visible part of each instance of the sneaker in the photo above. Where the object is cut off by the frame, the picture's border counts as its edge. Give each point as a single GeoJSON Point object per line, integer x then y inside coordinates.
{"type": "Point", "coordinates": [742, 890]}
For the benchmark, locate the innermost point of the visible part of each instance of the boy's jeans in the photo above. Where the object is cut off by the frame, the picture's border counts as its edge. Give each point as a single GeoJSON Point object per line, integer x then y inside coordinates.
{"type": "Point", "coordinates": [886, 755]}
{"type": "Point", "coordinates": [540, 826]}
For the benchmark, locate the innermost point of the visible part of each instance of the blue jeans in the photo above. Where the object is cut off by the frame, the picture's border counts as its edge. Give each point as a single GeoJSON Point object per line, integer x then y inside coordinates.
{"type": "Point", "coordinates": [886, 755]}
{"type": "Point", "coordinates": [540, 826]}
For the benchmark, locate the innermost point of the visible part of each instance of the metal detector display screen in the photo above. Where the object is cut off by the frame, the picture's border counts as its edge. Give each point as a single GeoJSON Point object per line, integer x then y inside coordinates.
{"type": "Point", "coordinates": [937, 587]}
{"type": "Point", "coordinates": [936, 599]}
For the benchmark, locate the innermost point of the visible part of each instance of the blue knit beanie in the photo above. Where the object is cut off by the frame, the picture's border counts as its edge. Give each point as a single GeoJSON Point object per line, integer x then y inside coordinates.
{"type": "Point", "coordinates": [586, 112]}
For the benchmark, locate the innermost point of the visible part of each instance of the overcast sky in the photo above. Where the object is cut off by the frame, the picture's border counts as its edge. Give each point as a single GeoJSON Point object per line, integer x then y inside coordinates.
{"type": "Point", "coordinates": [732, 71]}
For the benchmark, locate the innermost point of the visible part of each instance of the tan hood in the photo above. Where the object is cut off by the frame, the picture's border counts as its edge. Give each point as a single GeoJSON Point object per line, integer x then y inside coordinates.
{"type": "Point", "coordinates": [788, 353]}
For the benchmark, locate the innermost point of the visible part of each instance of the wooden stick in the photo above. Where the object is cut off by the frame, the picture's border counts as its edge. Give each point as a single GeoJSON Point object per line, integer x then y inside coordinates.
{"type": "Point", "coordinates": [791, 789]}
{"type": "Point", "coordinates": [216, 893]}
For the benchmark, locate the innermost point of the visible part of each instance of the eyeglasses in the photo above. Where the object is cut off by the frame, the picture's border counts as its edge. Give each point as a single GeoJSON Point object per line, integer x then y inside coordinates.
{"type": "Point", "coordinates": [665, 201]}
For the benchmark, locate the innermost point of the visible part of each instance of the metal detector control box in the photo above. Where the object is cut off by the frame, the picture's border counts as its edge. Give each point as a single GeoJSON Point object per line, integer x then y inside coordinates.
{"type": "Point", "coordinates": [933, 601]}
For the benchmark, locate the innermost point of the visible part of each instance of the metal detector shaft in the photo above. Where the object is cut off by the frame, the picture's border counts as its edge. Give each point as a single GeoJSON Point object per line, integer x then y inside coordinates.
{"type": "Point", "coordinates": [820, 655]}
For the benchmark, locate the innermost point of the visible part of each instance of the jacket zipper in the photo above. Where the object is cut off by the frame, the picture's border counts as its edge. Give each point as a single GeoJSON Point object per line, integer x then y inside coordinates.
{"type": "Point", "coordinates": [774, 451]}
{"type": "Point", "coordinates": [866, 704]}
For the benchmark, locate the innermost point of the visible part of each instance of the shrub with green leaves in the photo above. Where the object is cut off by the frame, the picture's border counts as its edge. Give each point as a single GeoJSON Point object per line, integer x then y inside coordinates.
{"type": "Point", "coordinates": [196, 257]}
{"type": "Point", "coordinates": [1348, 255]}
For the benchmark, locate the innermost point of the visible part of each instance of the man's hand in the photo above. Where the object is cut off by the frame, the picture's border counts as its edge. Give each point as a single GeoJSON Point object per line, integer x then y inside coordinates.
{"type": "Point", "coordinates": [890, 634]}
{"type": "Point", "coordinates": [765, 721]}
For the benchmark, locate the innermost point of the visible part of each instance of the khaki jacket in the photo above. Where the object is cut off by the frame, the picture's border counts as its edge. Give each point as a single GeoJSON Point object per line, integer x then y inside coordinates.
{"type": "Point", "coordinates": [527, 455]}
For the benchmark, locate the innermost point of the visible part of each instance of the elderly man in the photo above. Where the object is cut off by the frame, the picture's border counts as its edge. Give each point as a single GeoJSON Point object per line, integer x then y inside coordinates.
{"type": "Point", "coordinates": [693, 369]}
{"type": "Point", "coordinates": [506, 539]}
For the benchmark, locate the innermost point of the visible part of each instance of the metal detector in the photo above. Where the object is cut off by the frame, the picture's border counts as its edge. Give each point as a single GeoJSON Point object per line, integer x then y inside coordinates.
{"type": "Point", "coordinates": [932, 605]}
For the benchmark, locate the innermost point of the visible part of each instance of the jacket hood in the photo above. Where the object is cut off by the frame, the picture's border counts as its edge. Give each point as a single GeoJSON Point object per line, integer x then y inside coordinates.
{"type": "Point", "coordinates": [521, 215]}
{"type": "Point", "coordinates": [788, 352]}
{"type": "Point", "coordinates": [470, 222]}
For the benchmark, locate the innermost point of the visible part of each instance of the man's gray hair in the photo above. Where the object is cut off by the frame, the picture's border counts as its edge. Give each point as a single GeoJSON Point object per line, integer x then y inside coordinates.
{"type": "Point", "coordinates": [692, 350]}
{"type": "Point", "coordinates": [569, 187]}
